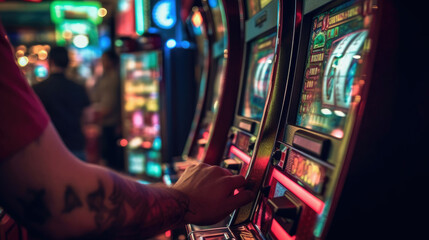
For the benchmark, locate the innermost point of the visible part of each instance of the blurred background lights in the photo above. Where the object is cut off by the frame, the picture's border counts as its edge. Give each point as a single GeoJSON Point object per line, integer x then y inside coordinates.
{"type": "Point", "coordinates": [124, 5]}
{"type": "Point", "coordinates": [32, 58]}
{"type": "Point", "coordinates": [81, 41]}
{"type": "Point", "coordinates": [102, 12]}
{"type": "Point", "coordinates": [119, 43]}
{"type": "Point", "coordinates": [123, 142]}
{"type": "Point", "coordinates": [41, 71]}
{"type": "Point", "coordinates": [43, 54]}
{"type": "Point", "coordinates": [337, 133]}
{"type": "Point", "coordinates": [197, 19]}
{"type": "Point", "coordinates": [326, 111]}
{"type": "Point", "coordinates": [339, 113]}
{"type": "Point", "coordinates": [171, 43]}
{"type": "Point", "coordinates": [185, 44]}
{"type": "Point", "coordinates": [105, 42]}
{"type": "Point", "coordinates": [23, 61]}
{"type": "Point", "coordinates": [67, 34]}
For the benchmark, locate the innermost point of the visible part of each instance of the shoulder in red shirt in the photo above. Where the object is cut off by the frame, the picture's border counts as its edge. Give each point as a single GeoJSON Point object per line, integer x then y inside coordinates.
{"type": "Point", "coordinates": [22, 116]}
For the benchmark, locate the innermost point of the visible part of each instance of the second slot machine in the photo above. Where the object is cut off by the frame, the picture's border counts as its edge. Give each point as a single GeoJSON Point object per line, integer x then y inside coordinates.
{"type": "Point", "coordinates": [268, 45]}
{"type": "Point", "coordinates": [323, 157]}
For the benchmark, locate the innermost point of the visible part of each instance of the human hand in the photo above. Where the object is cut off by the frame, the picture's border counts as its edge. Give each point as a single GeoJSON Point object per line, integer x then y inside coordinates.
{"type": "Point", "coordinates": [211, 193]}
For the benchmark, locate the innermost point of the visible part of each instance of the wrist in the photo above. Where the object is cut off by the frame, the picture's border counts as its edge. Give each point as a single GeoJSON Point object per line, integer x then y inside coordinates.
{"type": "Point", "coordinates": [183, 202]}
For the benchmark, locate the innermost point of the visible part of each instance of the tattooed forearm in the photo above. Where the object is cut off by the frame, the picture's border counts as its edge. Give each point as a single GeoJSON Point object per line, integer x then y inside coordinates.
{"type": "Point", "coordinates": [71, 200]}
{"type": "Point", "coordinates": [34, 206]}
{"type": "Point", "coordinates": [125, 209]}
{"type": "Point", "coordinates": [97, 203]}
{"type": "Point", "coordinates": [135, 210]}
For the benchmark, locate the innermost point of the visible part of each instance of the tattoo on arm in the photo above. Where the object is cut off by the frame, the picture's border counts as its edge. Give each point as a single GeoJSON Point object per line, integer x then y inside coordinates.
{"type": "Point", "coordinates": [96, 203]}
{"type": "Point", "coordinates": [71, 200]}
{"type": "Point", "coordinates": [35, 208]}
{"type": "Point", "coordinates": [152, 210]}
{"type": "Point", "coordinates": [131, 211]}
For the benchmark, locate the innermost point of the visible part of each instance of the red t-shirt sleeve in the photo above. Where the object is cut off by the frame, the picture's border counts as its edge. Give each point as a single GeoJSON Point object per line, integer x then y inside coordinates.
{"type": "Point", "coordinates": [22, 115]}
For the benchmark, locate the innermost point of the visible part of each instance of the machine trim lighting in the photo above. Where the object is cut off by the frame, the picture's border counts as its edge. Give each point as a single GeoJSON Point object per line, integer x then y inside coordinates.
{"type": "Point", "coordinates": [237, 152]}
{"type": "Point", "coordinates": [279, 231]}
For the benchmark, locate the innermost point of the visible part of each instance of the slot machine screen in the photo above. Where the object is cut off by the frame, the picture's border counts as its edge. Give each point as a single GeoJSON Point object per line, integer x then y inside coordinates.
{"type": "Point", "coordinates": [260, 65]}
{"type": "Point", "coordinates": [332, 73]}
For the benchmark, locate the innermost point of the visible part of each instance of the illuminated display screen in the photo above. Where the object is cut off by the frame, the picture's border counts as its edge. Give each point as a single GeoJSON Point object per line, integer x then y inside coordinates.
{"type": "Point", "coordinates": [338, 44]}
{"type": "Point", "coordinates": [279, 191]}
{"type": "Point", "coordinates": [254, 6]}
{"type": "Point", "coordinates": [242, 141]}
{"type": "Point", "coordinates": [306, 170]}
{"type": "Point", "coordinates": [63, 10]}
{"type": "Point", "coordinates": [260, 65]}
{"type": "Point", "coordinates": [140, 76]}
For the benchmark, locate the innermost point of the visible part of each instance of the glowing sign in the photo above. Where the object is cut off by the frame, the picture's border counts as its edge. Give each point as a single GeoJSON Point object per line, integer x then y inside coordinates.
{"type": "Point", "coordinates": [70, 10]}
{"type": "Point", "coordinates": [305, 170]}
{"type": "Point", "coordinates": [140, 23]}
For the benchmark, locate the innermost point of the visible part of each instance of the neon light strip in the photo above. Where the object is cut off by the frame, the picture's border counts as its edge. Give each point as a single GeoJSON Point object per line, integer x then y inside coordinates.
{"type": "Point", "coordinates": [240, 154]}
{"type": "Point", "coordinates": [279, 232]}
{"type": "Point", "coordinates": [139, 16]}
{"type": "Point", "coordinates": [316, 204]}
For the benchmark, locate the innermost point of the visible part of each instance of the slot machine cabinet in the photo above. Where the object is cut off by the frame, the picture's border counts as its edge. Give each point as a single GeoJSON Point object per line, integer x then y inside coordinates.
{"type": "Point", "coordinates": [202, 27]}
{"type": "Point", "coordinates": [218, 86]}
{"type": "Point", "coordinates": [199, 135]}
{"type": "Point", "coordinates": [229, 53]}
{"type": "Point", "coordinates": [142, 83]}
{"type": "Point", "coordinates": [270, 34]}
{"type": "Point", "coordinates": [319, 183]}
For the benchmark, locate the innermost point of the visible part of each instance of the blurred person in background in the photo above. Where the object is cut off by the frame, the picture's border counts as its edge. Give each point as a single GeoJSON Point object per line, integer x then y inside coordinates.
{"type": "Point", "coordinates": [65, 101]}
{"type": "Point", "coordinates": [105, 96]}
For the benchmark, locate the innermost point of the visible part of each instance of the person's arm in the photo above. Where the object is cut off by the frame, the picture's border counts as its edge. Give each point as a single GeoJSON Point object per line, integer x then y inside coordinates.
{"type": "Point", "coordinates": [57, 196]}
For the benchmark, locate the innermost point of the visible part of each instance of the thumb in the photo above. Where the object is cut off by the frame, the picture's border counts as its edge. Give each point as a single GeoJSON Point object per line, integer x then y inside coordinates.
{"type": "Point", "coordinates": [241, 198]}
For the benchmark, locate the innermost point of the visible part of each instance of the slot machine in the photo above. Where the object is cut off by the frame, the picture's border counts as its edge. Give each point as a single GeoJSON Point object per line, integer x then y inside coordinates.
{"type": "Point", "coordinates": [199, 135]}
{"type": "Point", "coordinates": [320, 182]}
{"type": "Point", "coordinates": [204, 28]}
{"type": "Point", "coordinates": [218, 86]}
{"type": "Point", "coordinates": [142, 81]}
{"type": "Point", "coordinates": [270, 36]}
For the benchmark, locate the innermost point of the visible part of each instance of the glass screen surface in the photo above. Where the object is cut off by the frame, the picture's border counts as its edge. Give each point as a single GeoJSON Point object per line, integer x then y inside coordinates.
{"type": "Point", "coordinates": [259, 70]}
{"type": "Point", "coordinates": [336, 50]}
{"type": "Point", "coordinates": [141, 75]}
